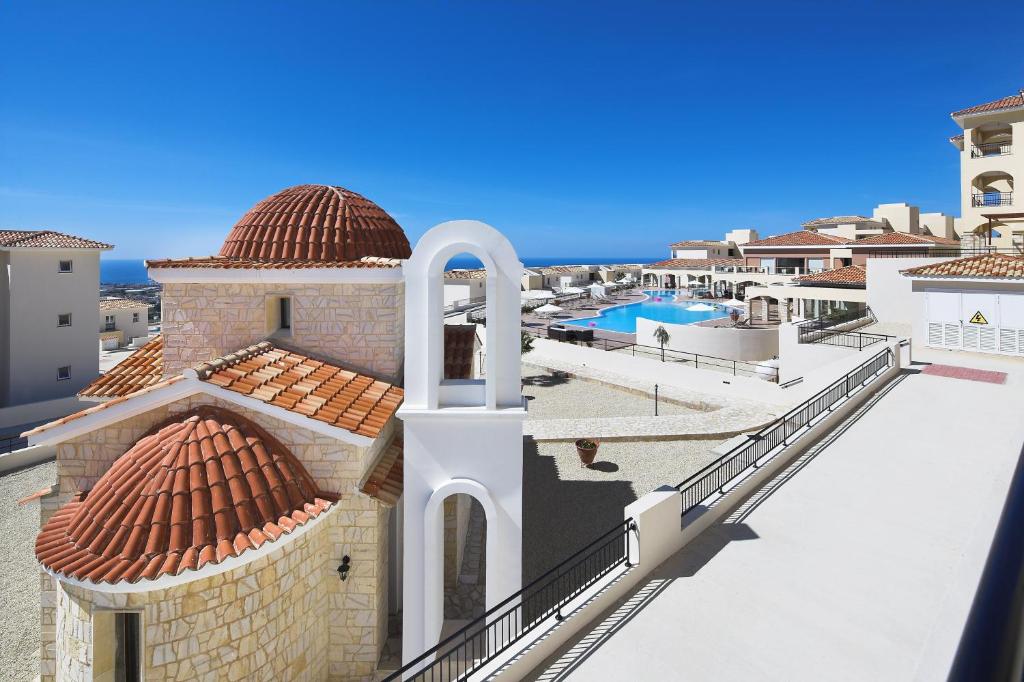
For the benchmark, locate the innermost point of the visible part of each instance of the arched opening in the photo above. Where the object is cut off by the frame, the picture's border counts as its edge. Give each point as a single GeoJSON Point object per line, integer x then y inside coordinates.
{"type": "Point", "coordinates": [465, 558]}
{"type": "Point", "coordinates": [992, 188]}
{"type": "Point", "coordinates": [991, 139]}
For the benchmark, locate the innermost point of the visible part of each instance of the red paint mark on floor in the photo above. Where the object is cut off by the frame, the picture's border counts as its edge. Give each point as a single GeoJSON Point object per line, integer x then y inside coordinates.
{"type": "Point", "coordinates": [966, 373]}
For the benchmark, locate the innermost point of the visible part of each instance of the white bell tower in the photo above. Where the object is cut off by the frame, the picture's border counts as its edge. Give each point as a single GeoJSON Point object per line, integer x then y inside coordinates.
{"type": "Point", "coordinates": [461, 436]}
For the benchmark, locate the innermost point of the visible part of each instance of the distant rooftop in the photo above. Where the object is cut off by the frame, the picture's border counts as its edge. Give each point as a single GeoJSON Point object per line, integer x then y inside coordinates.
{"type": "Point", "coordinates": [799, 238]}
{"type": "Point", "coordinates": [695, 262]}
{"type": "Point", "coordinates": [46, 239]}
{"type": "Point", "coordinates": [696, 244]}
{"type": "Point", "coordinates": [121, 304]}
{"type": "Point", "coordinates": [849, 276]}
{"type": "Point", "coordinates": [904, 239]}
{"type": "Point", "coordinates": [840, 220]}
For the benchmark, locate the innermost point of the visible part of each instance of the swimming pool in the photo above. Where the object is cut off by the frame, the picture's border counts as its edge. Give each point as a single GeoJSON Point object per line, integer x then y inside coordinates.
{"type": "Point", "coordinates": [660, 306]}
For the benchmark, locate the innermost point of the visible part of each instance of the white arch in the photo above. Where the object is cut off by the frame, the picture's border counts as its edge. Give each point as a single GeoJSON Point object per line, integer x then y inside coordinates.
{"type": "Point", "coordinates": [433, 560]}
{"type": "Point", "coordinates": [424, 317]}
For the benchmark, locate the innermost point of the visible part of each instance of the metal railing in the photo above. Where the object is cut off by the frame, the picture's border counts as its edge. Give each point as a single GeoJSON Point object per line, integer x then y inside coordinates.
{"type": "Point", "coordinates": [979, 151]}
{"type": "Point", "coordinates": [488, 636]}
{"type": "Point", "coordinates": [12, 443]}
{"type": "Point", "coordinates": [463, 302]}
{"type": "Point", "coordinates": [858, 340]}
{"type": "Point", "coordinates": [992, 199]}
{"type": "Point", "coordinates": [952, 252]}
{"type": "Point", "coordinates": [714, 477]}
{"type": "Point", "coordinates": [814, 330]}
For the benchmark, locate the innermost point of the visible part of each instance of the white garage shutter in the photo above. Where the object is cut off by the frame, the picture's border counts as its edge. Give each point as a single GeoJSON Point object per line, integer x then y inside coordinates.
{"type": "Point", "coordinates": [979, 322]}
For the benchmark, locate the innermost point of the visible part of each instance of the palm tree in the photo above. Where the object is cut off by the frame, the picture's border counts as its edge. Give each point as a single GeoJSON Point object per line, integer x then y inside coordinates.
{"type": "Point", "coordinates": [662, 337]}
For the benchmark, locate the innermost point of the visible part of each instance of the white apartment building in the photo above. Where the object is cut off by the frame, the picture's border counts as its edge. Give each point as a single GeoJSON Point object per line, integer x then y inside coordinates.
{"type": "Point", "coordinates": [49, 297]}
{"type": "Point", "coordinates": [704, 249]}
{"type": "Point", "coordinates": [122, 320]}
{"type": "Point", "coordinates": [990, 162]}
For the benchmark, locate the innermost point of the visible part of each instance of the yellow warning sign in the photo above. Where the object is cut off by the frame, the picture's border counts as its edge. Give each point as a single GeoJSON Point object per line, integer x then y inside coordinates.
{"type": "Point", "coordinates": [978, 318]}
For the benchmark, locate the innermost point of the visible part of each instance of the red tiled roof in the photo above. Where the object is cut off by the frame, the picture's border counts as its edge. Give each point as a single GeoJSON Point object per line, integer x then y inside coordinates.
{"type": "Point", "coordinates": [219, 262]}
{"type": "Point", "coordinates": [840, 220]}
{"type": "Point", "coordinates": [459, 346]}
{"type": "Point", "coordinates": [316, 223]}
{"type": "Point", "coordinates": [121, 304]}
{"type": "Point", "coordinates": [203, 487]}
{"type": "Point", "coordinates": [36, 239]}
{"type": "Point", "coordinates": [478, 273]}
{"type": "Point", "coordinates": [849, 275]}
{"type": "Point", "coordinates": [799, 238]}
{"type": "Point", "coordinates": [386, 481]}
{"type": "Point", "coordinates": [696, 244]}
{"type": "Point", "coordinates": [102, 406]}
{"type": "Point", "coordinates": [1010, 102]}
{"type": "Point", "coordinates": [985, 266]}
{"type": "Point", "coordinates": [902, 238]}
{"type": "Point", "coordinates": [301, 384]}
{"type": "Point", "coordinates": [141, 369]}
{"type": "Point", "coordinates": [695, 262]}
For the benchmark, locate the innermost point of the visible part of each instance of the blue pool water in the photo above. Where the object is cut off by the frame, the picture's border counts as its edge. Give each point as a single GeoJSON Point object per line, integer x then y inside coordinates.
{"type": "Point", "coordinates": [660, 306]}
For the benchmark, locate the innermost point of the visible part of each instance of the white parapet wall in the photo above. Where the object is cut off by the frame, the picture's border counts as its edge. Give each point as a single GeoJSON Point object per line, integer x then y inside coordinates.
{"type": "Point", "coordinates": [730, 343]}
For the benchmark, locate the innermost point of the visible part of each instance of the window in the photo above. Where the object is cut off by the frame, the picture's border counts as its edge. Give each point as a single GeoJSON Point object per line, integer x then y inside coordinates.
{"type": "Point", "coordinates": [286, 313]}
{"type": "Point", "coordinates": [64, 266]}
{"type": "Point", "coordinates": [117, 646]}
{"type": "Point", "coordinates": [64, 373]}
{"type": "Point", "coordinates": [108, 323]}
{"type": "Point", "coordinates": [64, 320]}
{"type": "Point", "coordinates": [135, 317]}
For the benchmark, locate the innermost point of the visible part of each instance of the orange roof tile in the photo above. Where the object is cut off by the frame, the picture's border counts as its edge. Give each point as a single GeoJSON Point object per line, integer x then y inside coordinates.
{"type": "Point", "coordinates": [478, 273]}
{"type": "Point", "coordinates": [903, 239]}
{"type": "Point", "coordinates": [102, 406]}
{"type": "Point", "coordinates": [204, 486]}
{"type": "Point", "coordinates": [121, 304]}
{"type": "Point", "coordinates": [840, 220]}
{"type": "Point", "coordinates": [799, 238]}
{"type": "Point", "coordinates": [141, 369]}
{"type": "Point", "coordinates": [1011, 102]}
{"type": "Point", "coordinates": [316, 223]}
{"type": "Point", "coordinates": [386, 481]}
{"type": "Point", "coordinates": [985, 266]}
{"type": "Point", "coordinates": [459, 346]}
{"type": "Point", "coordinates": [851, 275]}
{"type": "Point", "coordinates": [318, 390]}
{"type": "Point", "coordinates": [36, 239]}
{"type": "Point", "coordinates": [220, 262]}
{"type": "Point", "coordinates": [695, 262]}
{"type": "Point", "coordinates": [696, 244]}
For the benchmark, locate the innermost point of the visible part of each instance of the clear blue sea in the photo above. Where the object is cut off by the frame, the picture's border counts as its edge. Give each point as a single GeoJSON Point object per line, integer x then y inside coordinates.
{"type": "Point", "coordinates": [661, 306]}
{"type": "Point", "coordinates": [119, 271]}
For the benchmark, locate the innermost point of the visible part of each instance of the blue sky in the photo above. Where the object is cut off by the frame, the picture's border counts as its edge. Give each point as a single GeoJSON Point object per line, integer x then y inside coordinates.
{"type": "Point", "coordinates": [579, 129]}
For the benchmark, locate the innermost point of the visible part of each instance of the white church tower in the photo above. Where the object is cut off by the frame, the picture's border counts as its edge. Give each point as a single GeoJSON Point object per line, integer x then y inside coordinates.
{"type": "Point", "coordinates": [461, 436]}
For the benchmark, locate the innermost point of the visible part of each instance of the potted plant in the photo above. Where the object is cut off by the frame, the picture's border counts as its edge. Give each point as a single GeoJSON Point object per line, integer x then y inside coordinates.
{"type": "Point", "coordinates": [586, 448]}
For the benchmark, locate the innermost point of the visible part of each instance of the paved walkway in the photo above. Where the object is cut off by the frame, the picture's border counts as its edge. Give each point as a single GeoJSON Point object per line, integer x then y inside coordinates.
{"type": "Point", "coordinates": [858, 562]}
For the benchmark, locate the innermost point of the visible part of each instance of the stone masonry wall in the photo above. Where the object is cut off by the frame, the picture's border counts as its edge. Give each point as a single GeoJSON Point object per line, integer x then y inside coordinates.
{"type": "Point", "coordinates": [361, 326]}
{"type": "Point", "coordinates": [354, 616]}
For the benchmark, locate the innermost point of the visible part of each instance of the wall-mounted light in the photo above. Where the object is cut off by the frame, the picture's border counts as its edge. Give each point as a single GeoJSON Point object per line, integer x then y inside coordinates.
{"type": "Point", "coordinates": [344, 567]}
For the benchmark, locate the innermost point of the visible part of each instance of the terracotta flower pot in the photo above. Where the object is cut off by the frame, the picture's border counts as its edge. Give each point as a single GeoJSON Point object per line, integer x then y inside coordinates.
{"type": "Point", "coordinates": [587, 450]}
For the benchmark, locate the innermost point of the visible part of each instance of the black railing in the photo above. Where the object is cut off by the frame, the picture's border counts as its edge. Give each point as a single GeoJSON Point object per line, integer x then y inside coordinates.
{"type": "Point", "coordinates": [979, 151]}
{"type": "Point", "coordinates": [858, 340]}
{"type": "Point", "coordinates": [715, 476]}
{"type": "Point", "coordinates": [992, 199]}
{"type": "Point", "coordinates": [463, 302]}
{"type": "Point", "coordinates": [951, 252]}
{"type": "Point", "coordinates": [488, 636]}
{"type": "Point", "coordinates": [812, 331]}
{"type": "Point", "coordinates": [12, 443]}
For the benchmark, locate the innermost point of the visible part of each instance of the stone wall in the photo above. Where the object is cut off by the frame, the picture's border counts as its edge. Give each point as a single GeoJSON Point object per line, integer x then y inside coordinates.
{"type": "Point", "coordinates": [361, 326]}
{"type": "Point", "coordinates": [351, 615]}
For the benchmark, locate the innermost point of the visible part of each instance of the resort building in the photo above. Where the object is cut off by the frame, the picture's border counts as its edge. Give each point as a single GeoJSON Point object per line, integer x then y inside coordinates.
{"type": "Point", "coordinates": [49, 297]}
{"type": "Point", "coordinates": [559, 277]}
{"type": "Point", "coordinates": [703, 250]}
{"type": "Point", "coordinates": [464, 287]}
{"type": "Point", "coordinates": [122, 322]}
{"type": "Point", "coordinates": [797, 253]}
{"type": "Point", "coordinates": [990, 163]}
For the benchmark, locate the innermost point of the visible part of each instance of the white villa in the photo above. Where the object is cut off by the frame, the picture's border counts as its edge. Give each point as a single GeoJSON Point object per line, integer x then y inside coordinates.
{"type": "Point", "coordinates": [122, 322]}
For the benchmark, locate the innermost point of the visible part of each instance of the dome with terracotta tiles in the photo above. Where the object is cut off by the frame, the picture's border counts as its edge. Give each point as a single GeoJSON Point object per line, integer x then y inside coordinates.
{"type": "Point", "coordinates": [203, 487]}
{"type": "Point", "coordinates": [316, 223]}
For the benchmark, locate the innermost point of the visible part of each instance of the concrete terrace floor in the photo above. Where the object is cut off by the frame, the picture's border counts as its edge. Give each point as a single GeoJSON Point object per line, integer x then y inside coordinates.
{"type": "Point", "coordinates": [857, 562]}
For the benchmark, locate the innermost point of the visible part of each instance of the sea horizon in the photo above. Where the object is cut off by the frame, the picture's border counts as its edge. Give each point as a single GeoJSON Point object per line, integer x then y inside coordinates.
{"type": "Point", "coordinates": [133, 270]}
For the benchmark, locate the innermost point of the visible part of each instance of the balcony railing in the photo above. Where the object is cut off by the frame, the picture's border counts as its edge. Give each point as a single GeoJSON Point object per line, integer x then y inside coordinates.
{"type": "Point", "coordinates": [992, 199]}
{"type": "Point", "coordinates": [980, 151]}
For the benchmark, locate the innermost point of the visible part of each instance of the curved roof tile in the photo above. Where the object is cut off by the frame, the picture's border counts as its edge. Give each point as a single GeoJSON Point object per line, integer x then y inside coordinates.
{"type": "Point", "coordinates": [204, 486]}
{"type": "Point", "coordinates": [141, 369]}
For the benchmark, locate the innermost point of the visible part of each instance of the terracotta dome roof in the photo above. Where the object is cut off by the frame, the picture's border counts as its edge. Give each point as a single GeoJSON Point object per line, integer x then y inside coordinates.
{"type": "Point", "coordinates": [204, 486]}
{"type": "Point", "coordinates": [316, 223]}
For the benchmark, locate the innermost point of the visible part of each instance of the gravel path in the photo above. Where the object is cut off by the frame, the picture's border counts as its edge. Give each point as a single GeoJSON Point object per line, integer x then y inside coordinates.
{"type": "Point", "coordinates": [565, 506]}
{"type": "Point", "coordinates": [553, 395]}
{"type": "Point", "coordinates": [19, 572]}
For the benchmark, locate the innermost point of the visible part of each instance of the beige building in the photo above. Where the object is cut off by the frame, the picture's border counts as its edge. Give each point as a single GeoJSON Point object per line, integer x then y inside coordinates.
{"type": "Point", "coordinates": [990, 163]}
{"type": "Point", "coordinates": [228, 511]}
{"type": "Point", "coordinates": [122, 321]}
{"type": "Point", "coordinates": [49, 293]}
